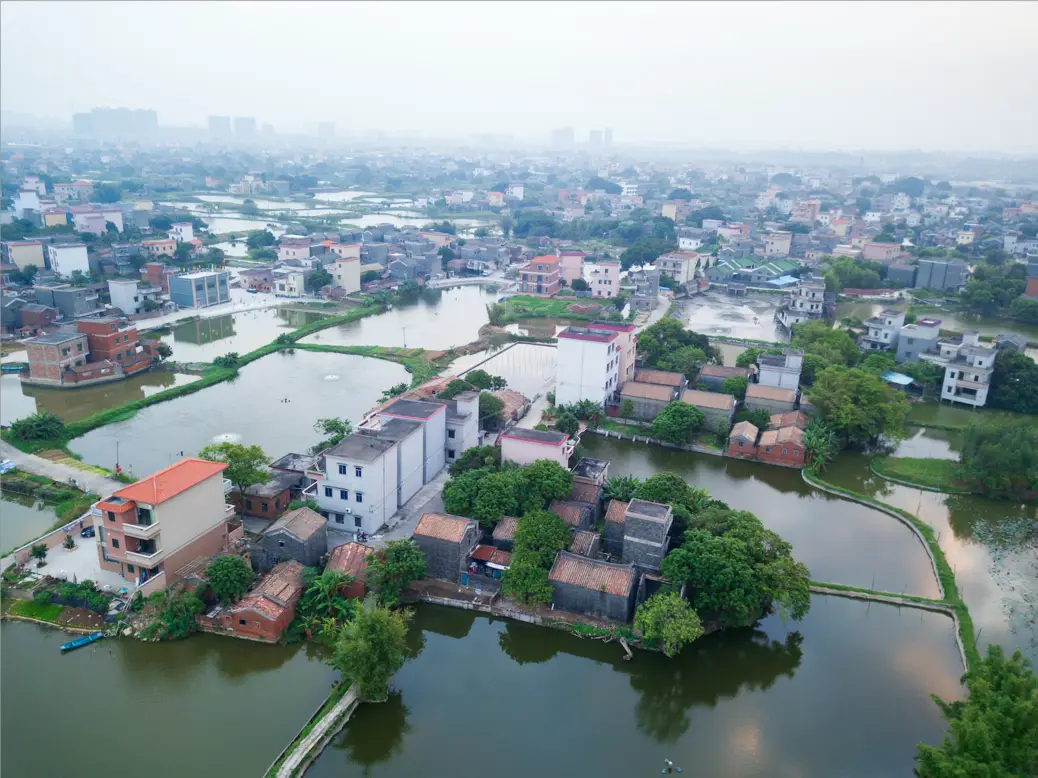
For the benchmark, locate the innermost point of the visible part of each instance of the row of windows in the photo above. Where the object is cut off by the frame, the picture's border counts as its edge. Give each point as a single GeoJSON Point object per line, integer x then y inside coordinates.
{"type": "Point", "coordinates": [344, 494]}
{"type": "Point", "coordinates": [340, 518]}
{"type": "Point", "coordinates": [357, 470]}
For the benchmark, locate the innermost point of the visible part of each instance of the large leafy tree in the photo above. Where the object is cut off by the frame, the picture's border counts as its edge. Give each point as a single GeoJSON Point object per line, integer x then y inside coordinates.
{"type": "Point", "coordinates": [391, 569]}
{"type": "Point", "coordinates": [858, 406]}
{"type": "Point", "coordinates": [994, 732]}
{"type": "Point", "coordinates": [817, 337]}
{"type": "Point", "coordinates": [667, 620]}
{"type": "Point", "coordinates": [370, 649]}
{"type": "Point", "coordinates": [229, 578]}
{"type": "Point", "coordinates": [549, 480]}
{"type": "Point", "coordinates": [526, 583]}
{"type": "Point", "coordinates": [1014, 383]}
{"type": "Point", "coordinates": [476, 458]}
{"type": "Point", "coordinates": [39, 426]}
{"type": "Point", "coordinates": [333, 429]}
{"type": "Point", "coordinates": [736, 570]}
{"type": "Point", "coordinates": [665, 337]}
{"type": "Point", "coordinates": [676, 422]}
{"type": "Point", "coordinates": [687, 360]}
{"type": "Point", "coordinates": [481, 379]}
{"type": "Point", "coordinates": [539, 536]}
{"type": "Point", "coordinates": [246, 465]}
{"type": "Point", "coordinates": [1000, 459]}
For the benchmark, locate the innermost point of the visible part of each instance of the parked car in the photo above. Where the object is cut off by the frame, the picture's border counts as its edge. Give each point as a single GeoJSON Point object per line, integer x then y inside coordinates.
{"type": "Point", "coordinates": [86, 532]}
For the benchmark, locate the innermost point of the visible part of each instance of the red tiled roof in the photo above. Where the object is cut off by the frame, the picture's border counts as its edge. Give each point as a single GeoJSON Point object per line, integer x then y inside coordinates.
{"type": "Point", "coordinates": [587, 573]}
{"type": "Point", "coordinates": [770, 393]}
{"type": "Point", "coordinates": [171, 481]}
{"type": "Point", "coordinates": [584, 492]}
{"type": "Point", "coordinates": [661, 377]}
{"type": "Point", "coordinates": [443, 526]}
{"type": "Point", "coordinates": [273, 595]}
{"type": "Point", "coordinates": [482, 553]}
{"type": "Point", "coordinates": [616, 513]}
{"type": "Point", "coordinates": [505, 529]}
{"type": "Point", "coordinates": [784, 435]}
{"type": "Point", "coordinates": [645, 391]}
{"type": "Point", "coordinates": [715, 400]}
{"type": "Point", "coordinates": [791, 419]}
{"type": "Point", "coordinates": [745, 430]}
{"type": "Point", "coordinates": [583, 540]}
{"type": "Point", "coordinates": [569, 512]}
{"type": "Point", "coordinates": [351, 558]}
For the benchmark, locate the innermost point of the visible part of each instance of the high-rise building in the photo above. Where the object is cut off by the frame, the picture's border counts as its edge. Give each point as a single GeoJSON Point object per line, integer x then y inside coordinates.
{"type": "Point", "coordinates": [244, 127]}
{"type": "Point", "coordinates": [594, 138]}
{"type": "Point", "coordinates": [326, 130]}
{"type": "Point", "coordinates": [562, 137]}
{"type": "Point", "coordinates": [220, 126]}
{"type": "Point", "coordinates": [114, 123]}
{"type": "Point", "coordinates": [608, 136]}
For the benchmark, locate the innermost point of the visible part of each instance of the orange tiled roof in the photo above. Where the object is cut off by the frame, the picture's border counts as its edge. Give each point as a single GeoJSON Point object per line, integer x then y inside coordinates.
{"type": "Point", "coordinates": [762, 392]}
{"type": "Point", "coordinates": [171, 481]}
{"type": "Point", "coordinates": [616, 513]}
{"type": "Point", "coordinates": [590, 574]}
{"type": "Point", "coordinates": [777, 437]}
{"type": "Point", "coordinates": [443, 526]}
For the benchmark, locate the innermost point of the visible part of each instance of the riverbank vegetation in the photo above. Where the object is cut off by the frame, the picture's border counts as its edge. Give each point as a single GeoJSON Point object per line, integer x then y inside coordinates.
{"type": "Point", "coordinates": [1000, 459]}
{"type": "Point", "coordinates": [69, 502]}
{"type": "Point", "coordinates": [369, 649]}
{"type": "Point", "coordinates": [994, 731]}
{"type": "Point", "coordinates": [523, 307]}
{"type": "Point", "coordinates": [941, 474]}
{"type": "Point", "coordinates": [393, 567]}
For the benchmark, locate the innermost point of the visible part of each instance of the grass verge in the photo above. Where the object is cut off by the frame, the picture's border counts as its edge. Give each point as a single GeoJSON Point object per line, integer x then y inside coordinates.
{"type": "Point", "coordinates": [333, 698]}
{"type": "Point", "coordinates": [31, 609]}
{"type": "Point", "coordinates": [940, 474]}
{"type": "Point", "coordinates": [944, 571]}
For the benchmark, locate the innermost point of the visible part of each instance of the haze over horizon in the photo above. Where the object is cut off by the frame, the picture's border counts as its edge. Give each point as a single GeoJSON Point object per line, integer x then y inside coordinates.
{"type": "Point", "coordinates": [806, 76]}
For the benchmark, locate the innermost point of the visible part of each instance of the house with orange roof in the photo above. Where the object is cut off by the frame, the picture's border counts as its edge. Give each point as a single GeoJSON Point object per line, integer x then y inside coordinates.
{"type": "Point", "coordinates": [540, 276]}
{"type": "Point", "coordinates": [148, 531]}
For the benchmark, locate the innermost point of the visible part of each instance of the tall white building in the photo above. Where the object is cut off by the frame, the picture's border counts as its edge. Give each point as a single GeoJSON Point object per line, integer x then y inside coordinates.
{"type": "Point", "coordinates": [66, 258]}
{"type": "Point", "coordinates": [806, 301]}
{"type": "Point", "coordinates": [588, 366]}
{"type": "Point", "coordinates": [967, 369]}
{"type": "Point", "coordinates": [362, 480]}
{"type": "Point", "coordinates": [882, 331]}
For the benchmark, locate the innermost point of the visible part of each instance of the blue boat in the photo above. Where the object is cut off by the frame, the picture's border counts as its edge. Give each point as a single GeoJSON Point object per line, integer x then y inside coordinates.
{"type": "Point", "coordinates": [86, 640]}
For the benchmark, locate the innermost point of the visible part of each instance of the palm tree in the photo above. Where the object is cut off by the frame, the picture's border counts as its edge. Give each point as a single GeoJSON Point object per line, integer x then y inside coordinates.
{"type": "Point", "coordinates": [820, 446]}
{"type": "Point", "coordinates": [621, 487]}
{"type": "Point", "coordinates": [309, 622]}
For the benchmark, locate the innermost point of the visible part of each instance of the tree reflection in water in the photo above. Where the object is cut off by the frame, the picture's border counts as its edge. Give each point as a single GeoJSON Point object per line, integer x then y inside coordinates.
{"type": "Point", "coordinates": [375, 733]}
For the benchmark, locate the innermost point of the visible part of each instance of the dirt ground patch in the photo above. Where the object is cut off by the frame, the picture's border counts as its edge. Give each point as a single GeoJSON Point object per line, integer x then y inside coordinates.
{"type": "Point", "coordinates": [80, 617]}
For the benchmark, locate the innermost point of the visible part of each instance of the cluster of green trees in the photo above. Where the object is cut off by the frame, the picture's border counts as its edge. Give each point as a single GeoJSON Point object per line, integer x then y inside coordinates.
{"type": "Point", "coordinates": [1014, 382]}
{"type": "Point", "coordinates": [1000, 459]}
{"type": "Point", "coordinates": [667, 345]}
{"type": "Point", "coordinates": [490, 407]}
{"type": "Point", "coordinates": [852, 399]}
{"type": "Point", "coordinates": [539, 536]}
{"type": "Point", "coordinates": [493, 491]}
{"type": "Point", "coordinates": [849, 273]}
{"type": "Point", "coordinates": [992, 291]}
{"type": "Point", "coordinates": [43, 425]}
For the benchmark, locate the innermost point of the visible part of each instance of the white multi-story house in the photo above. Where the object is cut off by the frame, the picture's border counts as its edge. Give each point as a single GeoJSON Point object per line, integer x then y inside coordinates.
{"type": "Point", "coordinates": [882, 331]}
{"type": "Point", "coordinates": [362, 480]}
{"type": "Point", "coordinates": [625, 346]}
{"type": "Point", "coordinates": [182, 231]}
{"type": "Point", "coordinates": [604, 279]}
{"type": "Point", "coordinates": [967, 369]}
{"type": "Point", "coordinates": [776, 244]}
{"type": "Point", "coordinates": [679, 265]}
{"type": "Point", "coordinates": [780, 370]}
{"type": "Point", "coordinates": [66, 258]}
{"type": "Point", "coordinates": [806, 301]}
{"type": "Point", "coordinates": [588, 366]}
{"type": "Point", "coordinates": [128, 294]}
{"type": "Point", "coordinates": [346, 274]}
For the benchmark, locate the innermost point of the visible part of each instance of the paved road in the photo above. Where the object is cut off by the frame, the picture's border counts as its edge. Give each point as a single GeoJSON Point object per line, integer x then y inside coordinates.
{"type": "Point", "coordinates": [314, 736]}
{"type": "Point", "coordinates": [30, 463]}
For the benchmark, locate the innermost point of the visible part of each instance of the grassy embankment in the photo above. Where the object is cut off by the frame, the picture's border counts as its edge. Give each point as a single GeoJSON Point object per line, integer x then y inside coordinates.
{"type": "Point", "coordinates": [952, 597]}
{"type": "Point", "coordinates": [944, 475]}
{"type": "Point", "coordinates": [953, 417]}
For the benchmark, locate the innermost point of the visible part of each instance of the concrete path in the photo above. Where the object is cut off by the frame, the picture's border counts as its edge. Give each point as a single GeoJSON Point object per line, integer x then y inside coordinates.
{"type": "Point", "coordinates": [315, 737]}
{"type": "Point", "coordinates": [30, 463]}
{"type": "Point", "coordinates": [428, 500]}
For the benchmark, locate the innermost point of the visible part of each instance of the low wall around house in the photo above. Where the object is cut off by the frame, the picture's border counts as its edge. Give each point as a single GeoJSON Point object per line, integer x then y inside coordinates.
{"type": "Point", "coordinates": [52, 539]}
{"type": "Point", "coordinates": [694, 447]}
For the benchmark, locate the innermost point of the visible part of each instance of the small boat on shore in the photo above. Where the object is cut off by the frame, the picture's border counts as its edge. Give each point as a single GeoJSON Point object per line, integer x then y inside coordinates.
{"type": "Point", "coordinates": [86, 640]}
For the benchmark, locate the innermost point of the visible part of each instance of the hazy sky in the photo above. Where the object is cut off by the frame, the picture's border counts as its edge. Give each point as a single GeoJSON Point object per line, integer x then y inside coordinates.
{"type": "Point", "coordinates": [812, 76]}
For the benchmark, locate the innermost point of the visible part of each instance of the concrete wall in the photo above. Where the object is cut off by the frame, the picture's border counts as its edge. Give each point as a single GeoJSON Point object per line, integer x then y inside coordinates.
{"type": "Point", "coordinates": [771, 406]}
{"type": "Point", "coordinates": [377, 483]}
{"type": "Point", "coordinates": [410, 464]}
{"type": "Point", "coordinates": [523, 452]}
{"type": "Point", "coordinates": [444, 559]}
{"type": "Point", "coordinates": [645, 409]}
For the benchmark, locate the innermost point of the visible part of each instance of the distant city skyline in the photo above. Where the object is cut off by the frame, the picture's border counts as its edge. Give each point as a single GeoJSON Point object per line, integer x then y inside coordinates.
{"type": "Point", "coordinates": [812, 76]}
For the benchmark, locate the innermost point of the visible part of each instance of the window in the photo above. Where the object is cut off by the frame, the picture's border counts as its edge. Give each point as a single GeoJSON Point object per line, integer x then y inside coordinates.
{"type": "Point", "coordinates": [119, 357]}
{"type": "Point", "coordinates": [342, 469]}
{"type": "Point", "coordinates": [796, 452]}
{"type": "Point", "coordinates": [340, 518]}
{"type": "Point", "coordinates": [327, 491]}
{"type": "Point", "coordinates": [111, 516]}
{"type": "Point", "coordinates": [115, 543]}
{"type": "Point", "coordinates": [767, 449]}
{"type": "Point", "coordinates": [450, 434]}
{"type": "Point", "coordinates": [242, 622]}
{"type": "Point", "coordinates": [281, 544]}
{"type": "Point", "coordinates": [358, 471]}
{"type": "Point", "coordinates": [266, 507]}
{"type": "Point", "coordinates": [356, 521]}
{"type": "Point", "coordinates": [450, 453]}
{"type": "Point", "coordinates": [359, 496]}
{"type": "Point", "coordinates": [248, 505]}
{"type": "Point", "coordinates": [79, 347]}
{"type": "Point", "coordinates": [129, 569]}
{"type": "Point", "coordinates": [785, 452]}
{"type": "Point", "coordinates": [344, 494]}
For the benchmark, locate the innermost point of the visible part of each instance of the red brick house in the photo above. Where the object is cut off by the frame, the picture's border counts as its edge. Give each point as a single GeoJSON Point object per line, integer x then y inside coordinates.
{"type": "Point", "coordinates": [265, 612]}
{"type": "Point", "coordinates": [351, 559]}
{"type": "Point", "coordinates": [783, 446]}
{"type": "Point", "coordinates": [742, 441]}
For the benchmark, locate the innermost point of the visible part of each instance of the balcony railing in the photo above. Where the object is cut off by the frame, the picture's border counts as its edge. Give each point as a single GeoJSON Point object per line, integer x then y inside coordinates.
{"type": "Point", "coordinates": [147, 559]}
{"type": "Point", "coordinates": [227, 486]}
{"type": "Point", "coordinates": [141, 531]}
